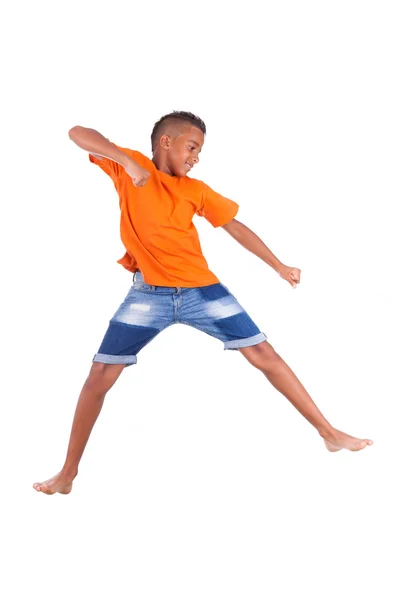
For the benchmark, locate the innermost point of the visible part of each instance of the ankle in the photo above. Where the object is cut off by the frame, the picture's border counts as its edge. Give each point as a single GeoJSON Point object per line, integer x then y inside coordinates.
{"type": "Point", "coordinates": [326, 431]}
{"type": "Point", "coordinates": [69, 472]}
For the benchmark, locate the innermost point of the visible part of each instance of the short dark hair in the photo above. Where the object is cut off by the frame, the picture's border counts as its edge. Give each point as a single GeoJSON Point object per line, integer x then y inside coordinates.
{"type": "Point", "coordinates": [176, 115]}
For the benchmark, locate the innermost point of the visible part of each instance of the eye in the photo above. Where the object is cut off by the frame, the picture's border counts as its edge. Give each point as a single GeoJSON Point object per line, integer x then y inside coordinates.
{"type": "Point", "coordinates": [191, 147]}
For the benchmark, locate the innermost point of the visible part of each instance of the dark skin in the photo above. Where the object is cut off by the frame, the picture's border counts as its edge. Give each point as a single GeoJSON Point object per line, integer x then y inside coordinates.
{"type": "Point", "coordinates": [176, 153]}
{"type": "Point", "coordinates": [178, 150]}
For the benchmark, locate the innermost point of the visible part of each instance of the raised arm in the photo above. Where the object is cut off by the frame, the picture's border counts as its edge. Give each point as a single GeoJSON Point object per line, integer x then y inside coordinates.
{"type": "Point", "coordinates": [96, 144]}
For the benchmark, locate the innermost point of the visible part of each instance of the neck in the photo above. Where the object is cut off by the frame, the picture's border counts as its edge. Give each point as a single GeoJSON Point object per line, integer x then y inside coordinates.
{"type": "Point", "coordinates": [162, 166]}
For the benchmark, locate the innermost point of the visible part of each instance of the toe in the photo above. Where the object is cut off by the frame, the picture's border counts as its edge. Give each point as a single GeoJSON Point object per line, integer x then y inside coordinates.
{"type": "Point", "coordinates": [366, 443]}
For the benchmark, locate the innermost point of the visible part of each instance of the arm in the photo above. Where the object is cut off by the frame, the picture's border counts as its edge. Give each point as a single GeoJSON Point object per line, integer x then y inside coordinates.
{"type": "Point", "coordinates": [93, 142]}
{"type": "Point", "coordinates": [249, 240]}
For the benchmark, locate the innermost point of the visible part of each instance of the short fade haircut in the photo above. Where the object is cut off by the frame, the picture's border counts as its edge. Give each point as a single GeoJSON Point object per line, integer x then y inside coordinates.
{"type": "Point", "coordinates": [177, 116]}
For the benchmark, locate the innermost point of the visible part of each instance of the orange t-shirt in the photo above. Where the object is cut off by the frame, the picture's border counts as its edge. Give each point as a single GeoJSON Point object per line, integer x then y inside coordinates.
{"type": "Point", "coordinates": [156, 223]}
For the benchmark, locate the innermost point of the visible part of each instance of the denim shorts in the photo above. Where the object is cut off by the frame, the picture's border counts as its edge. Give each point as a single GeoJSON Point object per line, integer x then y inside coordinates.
{"type": "Point", "coordinates": [148, 309]}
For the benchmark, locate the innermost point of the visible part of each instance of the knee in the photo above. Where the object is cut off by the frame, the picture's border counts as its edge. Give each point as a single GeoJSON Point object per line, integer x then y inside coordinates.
{"type": "Point", "coordinates": [102, 377]}
{"type": "Point", "coordinates": [262, 356]}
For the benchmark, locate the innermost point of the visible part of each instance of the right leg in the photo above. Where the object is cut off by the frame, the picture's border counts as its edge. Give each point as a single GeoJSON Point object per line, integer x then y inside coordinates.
{"type": "Point", "coordinates": [145, 312]}
{"type": "Point", "coordinates": [100, 380]}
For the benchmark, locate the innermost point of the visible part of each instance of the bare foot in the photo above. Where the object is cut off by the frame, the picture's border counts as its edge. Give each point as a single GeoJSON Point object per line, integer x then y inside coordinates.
{"type": "Point", "coordinates": [337, 440]}
{"type": "Point", "coordinates": [60, 483]}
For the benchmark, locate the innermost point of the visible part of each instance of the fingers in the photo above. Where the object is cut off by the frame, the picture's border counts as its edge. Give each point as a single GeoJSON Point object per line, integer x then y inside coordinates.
{"type": "Point", "coordinates": [295, 275]}
{"type": "Point", "coordinates": [140, 181]}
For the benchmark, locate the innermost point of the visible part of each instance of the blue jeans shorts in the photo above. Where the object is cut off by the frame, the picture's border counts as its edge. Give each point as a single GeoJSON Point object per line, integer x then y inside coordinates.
{"type": "Point", "coordinates": [148, 309]}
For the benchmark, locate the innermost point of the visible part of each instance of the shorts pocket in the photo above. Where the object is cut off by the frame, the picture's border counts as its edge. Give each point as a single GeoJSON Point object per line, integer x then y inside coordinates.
{"type": "Point", "coordinates": [140, 286]}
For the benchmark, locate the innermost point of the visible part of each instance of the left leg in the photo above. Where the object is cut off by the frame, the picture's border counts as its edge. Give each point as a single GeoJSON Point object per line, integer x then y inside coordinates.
{"type": "Point", "coordinates": [263, 357]}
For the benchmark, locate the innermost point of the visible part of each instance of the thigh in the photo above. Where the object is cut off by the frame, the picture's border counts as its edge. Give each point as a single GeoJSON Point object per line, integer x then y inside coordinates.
{"type": "Point", "coordinates": [215, 310]}
{"type": "Point", "coordinates": [140, 317]}
{"type": "Point", "coordinates": [145, 307]}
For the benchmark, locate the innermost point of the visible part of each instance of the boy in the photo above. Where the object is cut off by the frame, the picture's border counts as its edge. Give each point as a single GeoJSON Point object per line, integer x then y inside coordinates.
{"type": "Point", "coordinates": [172, 282]}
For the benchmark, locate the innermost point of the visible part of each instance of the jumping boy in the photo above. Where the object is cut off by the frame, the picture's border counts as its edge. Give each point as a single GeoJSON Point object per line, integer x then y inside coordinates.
{"type": "Point", "coordinates": [172, 282]}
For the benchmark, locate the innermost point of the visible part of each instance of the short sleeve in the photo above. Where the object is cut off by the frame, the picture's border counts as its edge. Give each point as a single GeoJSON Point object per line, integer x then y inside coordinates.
{"type": "Point", "coordinates": [217, 209]}
{"type": "Point", "coordinates": [110, 167]}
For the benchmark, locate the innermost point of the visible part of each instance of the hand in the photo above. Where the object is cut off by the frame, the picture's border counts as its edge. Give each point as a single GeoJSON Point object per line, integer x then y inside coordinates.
{"type": "Point", "coordinates": [138, 174]}
{"type": "Point", "coordinates": [290, 274]}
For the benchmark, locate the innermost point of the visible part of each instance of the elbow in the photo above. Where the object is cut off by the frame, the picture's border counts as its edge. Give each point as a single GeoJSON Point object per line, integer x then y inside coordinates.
{"type": "Point", "coordinates": [72, 133]}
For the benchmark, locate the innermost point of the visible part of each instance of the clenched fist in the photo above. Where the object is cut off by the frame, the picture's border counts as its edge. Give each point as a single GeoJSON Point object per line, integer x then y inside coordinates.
{"type": "Point", "coordinates": [138, 174]}
{"type": "Point", "coordinates": [291, 274]}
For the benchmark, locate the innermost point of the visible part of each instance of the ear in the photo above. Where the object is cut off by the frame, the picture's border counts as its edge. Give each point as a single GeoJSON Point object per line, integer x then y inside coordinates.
{"type": "Point", "coordinates": [165, 141]}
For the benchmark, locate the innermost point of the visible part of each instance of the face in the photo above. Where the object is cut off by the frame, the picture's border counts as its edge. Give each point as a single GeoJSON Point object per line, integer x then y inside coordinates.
{"type": "Point", "coordinates": [183, 150]}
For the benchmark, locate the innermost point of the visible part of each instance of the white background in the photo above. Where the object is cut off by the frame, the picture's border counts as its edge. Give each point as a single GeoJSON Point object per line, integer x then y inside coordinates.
{"type": "Point", "coordinates": [200, 480]}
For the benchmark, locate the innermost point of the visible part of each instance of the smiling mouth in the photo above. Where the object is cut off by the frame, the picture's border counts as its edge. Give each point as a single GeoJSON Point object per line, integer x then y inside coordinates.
{"type": "Point", "coordinates": [188, 165]}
